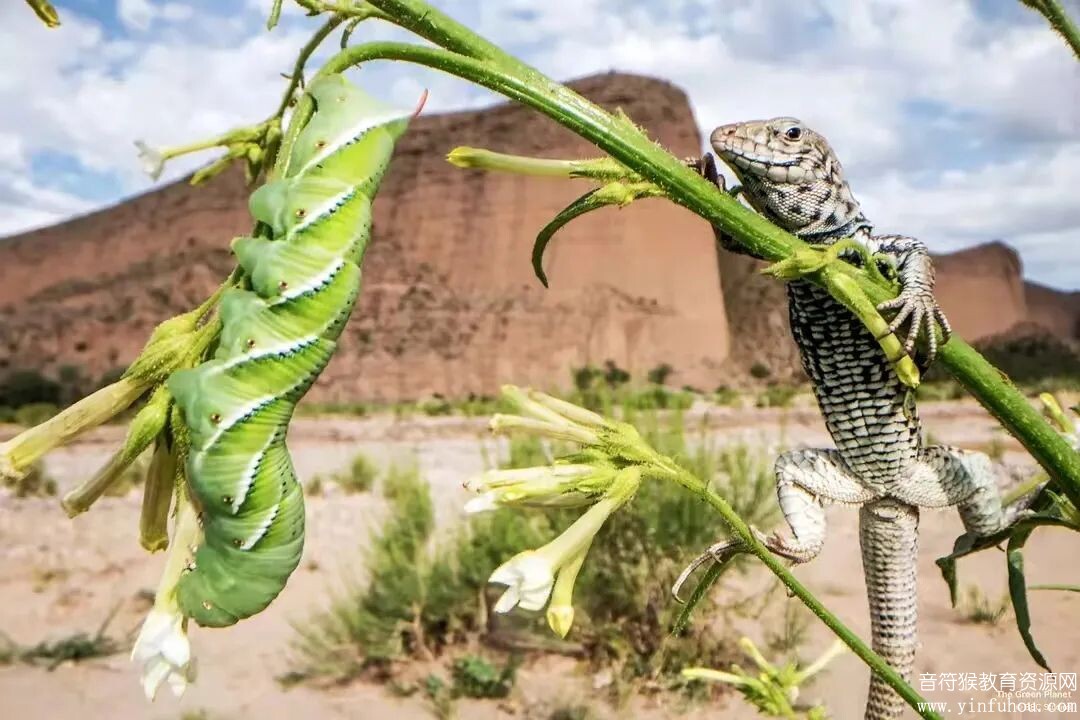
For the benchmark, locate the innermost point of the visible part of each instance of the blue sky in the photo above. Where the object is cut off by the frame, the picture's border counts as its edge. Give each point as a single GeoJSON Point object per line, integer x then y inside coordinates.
{"type": "Point", "coordinates": [957, 121]}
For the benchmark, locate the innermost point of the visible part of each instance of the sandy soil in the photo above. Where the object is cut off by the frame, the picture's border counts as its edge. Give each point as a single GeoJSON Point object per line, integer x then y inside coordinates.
{"type": "Point", "coordinates": [59, 576]}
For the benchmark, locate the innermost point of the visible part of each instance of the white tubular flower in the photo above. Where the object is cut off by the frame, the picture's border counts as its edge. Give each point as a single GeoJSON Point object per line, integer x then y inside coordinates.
{"type": "Point", "coordinates": [153, 162]}
{"type": "Point", "coordinates": [162, 649]}
{"type": "Point", "coordinates": [530, 575]}
{"type": "Point", "coordinates": [545, 416]}
{"type": "Point", "coordinates": [569, 485]}
{"type": "Point", "coordinates": [163, 652]}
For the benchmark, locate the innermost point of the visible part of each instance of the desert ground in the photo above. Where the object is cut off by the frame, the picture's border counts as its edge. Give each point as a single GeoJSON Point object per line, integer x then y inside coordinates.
{"type": "Point", "coordinates": [59, 576]}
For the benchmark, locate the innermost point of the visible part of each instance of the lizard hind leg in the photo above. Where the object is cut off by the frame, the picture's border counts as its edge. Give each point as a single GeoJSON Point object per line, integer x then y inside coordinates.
{"type": "Point", "coordinates": [806, 480]}
{"type": "Point", "coordinates": [948, 476]}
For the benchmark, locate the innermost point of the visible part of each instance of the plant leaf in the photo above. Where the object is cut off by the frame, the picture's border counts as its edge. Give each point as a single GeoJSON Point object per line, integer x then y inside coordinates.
{"type": "Point", "coordinates": [586, 203]}
{"type": "Point", "coordinates": [711, 576]}
{"type": "Point", "coordinates": [1018, 593]}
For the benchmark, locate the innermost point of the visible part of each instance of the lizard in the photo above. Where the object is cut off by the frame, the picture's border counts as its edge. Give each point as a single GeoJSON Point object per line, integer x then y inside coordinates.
{"type": "Point", "coordinates": [791, 176]}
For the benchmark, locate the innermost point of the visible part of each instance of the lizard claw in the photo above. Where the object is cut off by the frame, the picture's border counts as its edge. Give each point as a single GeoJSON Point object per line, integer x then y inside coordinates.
{"type": "Point", "coordinates": [921, 313]}
{"type": "Point", "coordinates": [720, 552]}
{"type": "Point", "coordinates": [706, 167]}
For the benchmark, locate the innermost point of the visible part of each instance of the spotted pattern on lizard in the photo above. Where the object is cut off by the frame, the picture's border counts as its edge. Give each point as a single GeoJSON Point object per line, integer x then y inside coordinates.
{"type": "Point", "coordinates": [789, 174]}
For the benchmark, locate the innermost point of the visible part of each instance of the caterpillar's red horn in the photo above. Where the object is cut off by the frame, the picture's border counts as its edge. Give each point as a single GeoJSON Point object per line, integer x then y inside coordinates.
{"type": "Point", "coordinates": [420, 104]}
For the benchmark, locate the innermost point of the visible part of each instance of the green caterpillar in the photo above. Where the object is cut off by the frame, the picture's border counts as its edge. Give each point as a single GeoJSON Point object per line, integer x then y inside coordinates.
{"type": "Point", "coordinates": [277, 336]}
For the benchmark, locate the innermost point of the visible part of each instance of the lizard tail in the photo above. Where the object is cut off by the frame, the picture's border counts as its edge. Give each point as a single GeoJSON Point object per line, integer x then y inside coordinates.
{"type": "Point", "coordinates": [888, 533]}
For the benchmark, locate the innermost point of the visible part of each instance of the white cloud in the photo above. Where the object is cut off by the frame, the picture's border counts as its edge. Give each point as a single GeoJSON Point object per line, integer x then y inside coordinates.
{"type": "Point", "coordinates": [140, 14]}
{"type": "Point", "coordinates": [953, 126]}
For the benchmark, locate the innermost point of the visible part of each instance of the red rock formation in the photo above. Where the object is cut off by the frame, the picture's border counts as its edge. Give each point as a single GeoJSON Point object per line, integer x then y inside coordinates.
{"type": "Point", "coordinates": [981, 289]}
{"type": "Point", "coordinates": [449, 304]}
{"type": "Point", "coordinates": [1055, 310]}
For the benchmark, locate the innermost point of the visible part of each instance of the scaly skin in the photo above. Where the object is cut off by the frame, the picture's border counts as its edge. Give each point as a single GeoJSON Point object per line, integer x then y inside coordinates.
{"type": "Point", "coordinates": [790, 175]}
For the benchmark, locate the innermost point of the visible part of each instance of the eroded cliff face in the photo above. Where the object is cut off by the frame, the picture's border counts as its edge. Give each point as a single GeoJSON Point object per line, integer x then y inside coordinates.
{"type": "Point", "coordinates": [449, 303]}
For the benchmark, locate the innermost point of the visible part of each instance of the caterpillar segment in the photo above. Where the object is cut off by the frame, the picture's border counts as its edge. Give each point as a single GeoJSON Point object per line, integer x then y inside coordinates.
{"type": "Point", "coordinates": [303, 279]}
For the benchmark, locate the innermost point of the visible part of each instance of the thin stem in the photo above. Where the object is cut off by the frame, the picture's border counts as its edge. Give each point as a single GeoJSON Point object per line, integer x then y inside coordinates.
{"type": "Point", "coordinates": [301, 60]}
{"type": "Point", "coordinates": [742, 530]}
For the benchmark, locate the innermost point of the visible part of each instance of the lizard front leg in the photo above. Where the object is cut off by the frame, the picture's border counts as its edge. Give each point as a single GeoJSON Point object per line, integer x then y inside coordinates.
{"type": "Point", "coordinates": [915, 305]}
{"type": "Point", "coordinates": [706, 167]}
{"type": "Point", "coordinates": [806, 480]}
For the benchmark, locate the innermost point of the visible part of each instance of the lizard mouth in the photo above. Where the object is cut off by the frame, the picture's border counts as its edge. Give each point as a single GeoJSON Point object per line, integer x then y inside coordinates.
{"type": "Point", "coordinates": [745, 159]}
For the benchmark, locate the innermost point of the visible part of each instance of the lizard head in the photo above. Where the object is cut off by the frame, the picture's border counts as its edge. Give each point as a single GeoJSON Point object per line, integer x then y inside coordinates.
{"type": "Point", "coordinates": [789, 174]}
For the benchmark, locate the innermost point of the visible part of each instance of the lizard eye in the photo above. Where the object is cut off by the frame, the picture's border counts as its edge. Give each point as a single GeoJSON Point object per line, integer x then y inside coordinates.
{"type": "Point", "coordinates": [793, 133]}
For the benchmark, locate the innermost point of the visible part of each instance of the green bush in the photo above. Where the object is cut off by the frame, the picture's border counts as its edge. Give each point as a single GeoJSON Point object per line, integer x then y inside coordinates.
{"type": "Point", "coordinates": [725, 395]}
{"type": "Point", "coordinates": [383, 620]}
{"type": "Point", "coordinates": [25, 387]}
{"type": "Point", "coordinates": [34, 483]}
{"type": "Point", "coordinates": [657, 398]}
{"type": "Point", "coordinates": [35, 413]}
{"type": "Point", "coordinates": [777, 396]}
{"type": "Point", "coordinates": [936, 390]}
{"type": "Point", "coordinates": [760, 371]}
{"type": "Point", "coordinates": [475, 677]}
{"type": "Point", "coordinates": [360, 476]}
{"type": "Point", "coordinates": [660, 374]}
{"type": "Point", "coordinates": [418, 601]}
{"type": "Point", "coordinates": [435, 406]}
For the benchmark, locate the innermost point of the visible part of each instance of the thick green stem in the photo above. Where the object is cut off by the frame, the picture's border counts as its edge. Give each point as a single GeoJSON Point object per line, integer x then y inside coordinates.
{"type": "Point", "coordinates": [628, 145]}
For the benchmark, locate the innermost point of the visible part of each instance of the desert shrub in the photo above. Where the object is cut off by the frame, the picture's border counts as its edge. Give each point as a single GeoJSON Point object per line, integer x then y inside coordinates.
{"type": "Point", "coordinates": [724, 395]}
{"type": "Point", "coordinates": [356, 409]}
{"type": "Point", "coordinates": [572, 711]}
{"type": "Point", "coordinates": [34, 483]}
{"type": "Point", "coordinates": [71, 648]}
{"type": "Point", "coordinates": [35, 413]}
{"type": "Point", "coordinates": [25, 387]}
{"type": "Point", "coordinates": [975, 607]}
{"type": "Point", "coordinates": [760, 371]}
{"type": "Point", "coordinates": [660, 374]}
{"type": "Point", "coordinates": [419, 601]}
{"type": "Point", "coordinates": [940, 389]}
{"type": "Point", "coordinates": [435, 406]}
{"type": "Point", "coordinates": [382, 620]}
{"type": "Point", "coordinates": [475, 677]}
{"type": "Point", "coordinates": [1031, 355]}
{"type": "Point", "coordinates": [527, 451]}
{"type": "Point", "coordinates": [777, 396]}
{"type": "Point", "coordinates": [614, 376]}
{"type": "Point", "coordinates": [360, 476]}
{"type": "Point", "coordinates": [657, 398]}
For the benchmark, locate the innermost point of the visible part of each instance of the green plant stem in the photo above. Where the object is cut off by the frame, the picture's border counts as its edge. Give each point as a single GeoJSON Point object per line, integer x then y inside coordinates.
{"type": "Point", "coordinates": [1059, 21]}
{"type": "Point", "coordinates": [301, 60]}
{"type": "Point", "coordinates": [485, 64]}
{"type": "Point", "coordinates": [669, 471]}
{"type": "Point", "coordinates": [1055, 586]}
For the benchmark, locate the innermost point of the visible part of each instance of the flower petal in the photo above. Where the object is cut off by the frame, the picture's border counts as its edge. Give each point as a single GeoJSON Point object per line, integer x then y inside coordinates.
{"type": "Point", "coordinates": [483, 503]}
